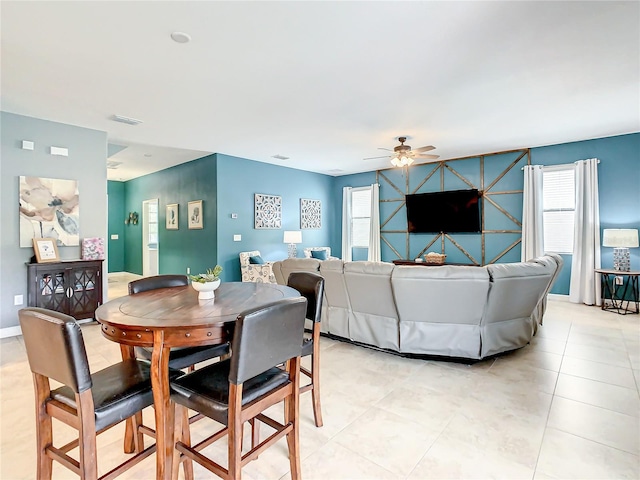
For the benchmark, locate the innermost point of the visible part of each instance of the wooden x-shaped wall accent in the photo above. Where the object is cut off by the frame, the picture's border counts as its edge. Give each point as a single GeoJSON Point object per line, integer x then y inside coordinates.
{"type": "Point", "coordinates": [485, 187]}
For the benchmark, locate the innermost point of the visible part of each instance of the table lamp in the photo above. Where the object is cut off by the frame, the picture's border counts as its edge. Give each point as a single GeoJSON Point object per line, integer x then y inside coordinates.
{"type": "Point", "coordinates": [621, 239]}
{"type": "Point", "coordinates": [292, 237]}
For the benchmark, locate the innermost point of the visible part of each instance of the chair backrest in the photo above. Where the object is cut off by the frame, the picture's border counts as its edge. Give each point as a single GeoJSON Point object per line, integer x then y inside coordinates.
{"type": "Point", "coordinates": [311, 286]}
{"type": "Point", "coordinates": [244, 257]}
{"type": "Point", "coordinates": [55, 347]}
{"type": "Point", "coordinates": [157, 281]}
{"type": "Point", "coordinates": [267, 336]}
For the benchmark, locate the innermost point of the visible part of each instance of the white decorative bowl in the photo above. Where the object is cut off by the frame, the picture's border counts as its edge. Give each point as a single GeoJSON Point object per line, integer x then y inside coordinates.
{"type": "Point", "coordinates": [206, 291]}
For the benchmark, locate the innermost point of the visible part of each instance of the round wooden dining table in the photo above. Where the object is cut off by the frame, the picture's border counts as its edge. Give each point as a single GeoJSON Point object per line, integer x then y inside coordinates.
{"type": "Point", "coordinates": [174, 317]}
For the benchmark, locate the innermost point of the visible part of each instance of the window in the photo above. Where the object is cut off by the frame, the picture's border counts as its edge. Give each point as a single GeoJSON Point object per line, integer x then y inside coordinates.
{"type": "Point", "coordinates": [559, 208]}
{"type": "Point", "coordinates": [360, 216]}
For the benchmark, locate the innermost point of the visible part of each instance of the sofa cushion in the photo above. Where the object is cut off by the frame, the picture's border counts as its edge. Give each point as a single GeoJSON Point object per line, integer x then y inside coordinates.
{"type": "Point", "coordinates": [283, 268]}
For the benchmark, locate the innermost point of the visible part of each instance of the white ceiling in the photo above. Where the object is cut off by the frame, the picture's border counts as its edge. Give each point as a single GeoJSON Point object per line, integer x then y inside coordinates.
{"type": "Point", "coordinates": [324, 83]}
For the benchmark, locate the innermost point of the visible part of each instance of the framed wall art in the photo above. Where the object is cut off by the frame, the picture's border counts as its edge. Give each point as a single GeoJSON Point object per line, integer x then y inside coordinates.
{"type": "Point", "coordinates": [194, 210]}
{"type": "Point", "coordinates": [46, 250]}
{"type": "Point", "coordinates": [310, 213]}
{"type": "Point", "coordinates": [268, 211]}
{"type": "Point", "coordinates": [49, 208]}
{"type": "Point", "coordinates": [172, 217]}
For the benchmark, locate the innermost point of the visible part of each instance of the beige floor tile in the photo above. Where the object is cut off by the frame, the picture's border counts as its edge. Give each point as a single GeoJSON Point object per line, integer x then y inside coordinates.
{"type": "Point", "coordinates": [336, 462]}
{"type": "Point", "coordinates": [452, 458]}
{"type": "Point", "coordinates": [621, 376]}
{"type": "Point", "coordinates": [550, 345]}
{"type": "Point", "coordinates": [564, 455]}
{"type": "Point", "coordinates": [600, 425]}
{"type": "Point", "coordinates": [390, 441]}
{"type": "Point", "coordinates": [610, 356]}
{"type": "Point", "coordinates": [593, 392]}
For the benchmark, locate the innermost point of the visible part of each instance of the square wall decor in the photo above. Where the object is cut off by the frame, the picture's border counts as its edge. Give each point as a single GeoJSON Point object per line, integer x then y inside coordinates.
{"type": "Point", "coordinates": [49, 208]}
{"type": "Point", "coordinates": [310, 213]}
{"type": "Point", "coordinates": [268, 211]}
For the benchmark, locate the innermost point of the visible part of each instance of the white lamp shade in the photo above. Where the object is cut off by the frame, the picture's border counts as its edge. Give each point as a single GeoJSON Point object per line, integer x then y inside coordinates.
{"type": "Point", "coordinates": [620, 237]}
{"type": "Point", "coordinates": [292, 236]}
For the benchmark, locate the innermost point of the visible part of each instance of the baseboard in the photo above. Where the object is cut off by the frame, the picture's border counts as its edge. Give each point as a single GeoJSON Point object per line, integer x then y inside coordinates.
{"type": "Point", "coordinates": [17, 331]}
{"type": "Point", "coordinates": [558, 297]}
{"type": "Point", "coordinates": [10, 331]}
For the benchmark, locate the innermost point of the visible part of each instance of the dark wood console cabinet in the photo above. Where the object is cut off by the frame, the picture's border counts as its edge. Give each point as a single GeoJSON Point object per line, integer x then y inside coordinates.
{"type": "Point", "coordinates": [71, 287]}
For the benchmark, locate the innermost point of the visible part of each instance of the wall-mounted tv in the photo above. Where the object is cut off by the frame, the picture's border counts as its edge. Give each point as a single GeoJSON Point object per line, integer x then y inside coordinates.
{"type": "Point", "coordinates": [455, 211]}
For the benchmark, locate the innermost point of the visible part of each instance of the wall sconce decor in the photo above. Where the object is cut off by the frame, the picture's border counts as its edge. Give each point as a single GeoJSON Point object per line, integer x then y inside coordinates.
{"type": "Point", "coordinates": [132, 219]}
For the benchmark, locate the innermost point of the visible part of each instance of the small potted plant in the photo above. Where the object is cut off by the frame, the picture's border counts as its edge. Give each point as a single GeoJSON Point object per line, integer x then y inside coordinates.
{"type": "Point", "coordinates": [206, 283]}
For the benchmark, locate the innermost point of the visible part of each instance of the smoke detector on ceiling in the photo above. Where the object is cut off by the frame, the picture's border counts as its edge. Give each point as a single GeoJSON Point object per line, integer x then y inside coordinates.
{"type": "Point", "coordinates": [280, 157]}
{"type": "Point", "coordinates": [180, 37]}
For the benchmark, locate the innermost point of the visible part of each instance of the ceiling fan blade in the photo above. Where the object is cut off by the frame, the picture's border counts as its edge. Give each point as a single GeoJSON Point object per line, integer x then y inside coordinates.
{"type": "Point", "coordinates": [387, 149]}
{"type": "Point", "coordinates": [424, 149]}
{"type": "Point", "coordinates": [374, 158]}
{"type": "Point", "coordinates": [423, 155]}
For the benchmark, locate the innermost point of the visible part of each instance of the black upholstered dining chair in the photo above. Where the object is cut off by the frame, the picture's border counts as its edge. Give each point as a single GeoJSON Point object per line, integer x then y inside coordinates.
{"type": "Point", "coordinates": [240, 388]}
{"type": "Point", "coordinates": [311, 286]}
{"type": "Point", "coordinates": [90, 403]}
{"type": "Point", "coordinates": [179, 357]}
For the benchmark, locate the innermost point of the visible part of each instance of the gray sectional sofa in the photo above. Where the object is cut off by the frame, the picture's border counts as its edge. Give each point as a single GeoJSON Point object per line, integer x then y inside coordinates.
{"type": "Point", "coordinates": [454, 311]}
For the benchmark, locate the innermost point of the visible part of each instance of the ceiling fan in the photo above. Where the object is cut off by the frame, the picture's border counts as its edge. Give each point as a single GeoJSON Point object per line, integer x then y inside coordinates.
{"type": "Point", "coordinates": [403, 155]}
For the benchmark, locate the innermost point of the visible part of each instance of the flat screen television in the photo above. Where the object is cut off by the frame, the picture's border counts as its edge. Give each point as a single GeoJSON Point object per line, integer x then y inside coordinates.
{"type": "Point", "coordinates": [455, 211]}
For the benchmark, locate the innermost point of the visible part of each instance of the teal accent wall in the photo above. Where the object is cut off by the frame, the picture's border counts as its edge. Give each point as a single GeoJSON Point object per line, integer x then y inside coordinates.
{"type": "Point", "coordinates": [238, 180]}
{"type": "Point", "coordinates": [618, 187]}
{"type": "Point", "coordinates": [182, 248]}
{"type": "Point", "coordinates": [116, 226]}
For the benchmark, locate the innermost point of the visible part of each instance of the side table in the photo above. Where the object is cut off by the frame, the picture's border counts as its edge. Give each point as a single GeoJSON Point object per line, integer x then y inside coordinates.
{"type": "Point", "coordinates": [621, 295]}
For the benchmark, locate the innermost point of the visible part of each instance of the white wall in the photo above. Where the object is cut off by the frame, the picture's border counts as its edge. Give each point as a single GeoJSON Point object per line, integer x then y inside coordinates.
{"type": "Point", "coordinates": [86, 163]}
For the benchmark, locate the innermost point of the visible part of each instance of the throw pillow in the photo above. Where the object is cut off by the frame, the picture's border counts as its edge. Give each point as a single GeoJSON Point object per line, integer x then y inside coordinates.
{"type": "Point", "coordinates": [319, 254]}
{"type": "Point", "coordinates": [256, 260]}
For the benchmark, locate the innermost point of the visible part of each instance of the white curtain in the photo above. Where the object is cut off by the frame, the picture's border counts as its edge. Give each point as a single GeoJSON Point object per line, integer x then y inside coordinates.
{"type": "Point", "coordinates": [532, 214]}
{"type": "Point", "coordinates": [346, 224]}
{"type": "Point", "coordinates": [374, 226]}
{"type": "Point", "coordinates": [586, 249]}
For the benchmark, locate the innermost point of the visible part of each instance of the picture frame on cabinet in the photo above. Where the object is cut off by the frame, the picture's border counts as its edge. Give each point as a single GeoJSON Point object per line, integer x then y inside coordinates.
{"type": "Point", "coordinates": [46, 250]}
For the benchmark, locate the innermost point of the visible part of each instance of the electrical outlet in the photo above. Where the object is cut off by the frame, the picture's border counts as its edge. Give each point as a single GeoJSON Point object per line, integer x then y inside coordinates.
{"type": "Point", "coordinates": [18, 299]}
{"type": "Point", "coordinates": [619, 280]}
{"type": "Point", "coordinates": [188, 270]}
{"type": "Point", "coordinates": [234, 215]}
{"type": "Point", "coordinates": [237, 238]}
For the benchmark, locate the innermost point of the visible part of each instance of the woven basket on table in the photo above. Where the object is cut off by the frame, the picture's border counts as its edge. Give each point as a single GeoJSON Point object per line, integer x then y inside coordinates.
{"type": "Point", "coordinates": [437, 259]}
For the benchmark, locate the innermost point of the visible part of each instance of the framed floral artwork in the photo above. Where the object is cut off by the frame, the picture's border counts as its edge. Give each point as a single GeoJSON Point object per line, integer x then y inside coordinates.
{"type": "Point", "coordinates": [49, 208]}
{"type": "Point", "coordinates": [194, 210]}
{"type": "Point", "coordinates": [172, 217]}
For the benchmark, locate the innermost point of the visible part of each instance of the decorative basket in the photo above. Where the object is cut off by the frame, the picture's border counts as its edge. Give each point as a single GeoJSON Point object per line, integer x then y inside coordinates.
{"type": "Point", "coordinates": [435, 258]}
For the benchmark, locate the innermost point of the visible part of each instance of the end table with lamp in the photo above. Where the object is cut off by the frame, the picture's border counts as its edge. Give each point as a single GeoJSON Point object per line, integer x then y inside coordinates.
{"type": "Point", "coordinates": [620, 285]}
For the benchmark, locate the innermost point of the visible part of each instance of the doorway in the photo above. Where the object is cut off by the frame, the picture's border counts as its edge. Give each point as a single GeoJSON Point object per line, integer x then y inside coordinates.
{"type": "Point", "coordinates": [150, 237]}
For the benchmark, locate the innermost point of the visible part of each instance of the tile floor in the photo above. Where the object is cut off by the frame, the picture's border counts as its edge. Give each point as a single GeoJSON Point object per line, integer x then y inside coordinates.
{"type": "Point", "coordinates": [565, 406]}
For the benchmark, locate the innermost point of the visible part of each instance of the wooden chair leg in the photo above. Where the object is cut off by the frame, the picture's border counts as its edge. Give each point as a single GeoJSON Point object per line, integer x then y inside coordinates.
{"type": "Point", "coordinates": [235, 431]}
{"type": "Point", "coordinates": [182, 434]}
{"type": "Point", "coordinates": [292, 414]}
{"type": "Point", "coordinates": [315, 378]}
{"type": "Point", "coordinates": [44, 428]}
{"type": "Point", "coordinates": [87, 434]}
{"type": "Point", "coordinates": [129, 441]}
{"type": "Point", "coordinates": [137, 435]}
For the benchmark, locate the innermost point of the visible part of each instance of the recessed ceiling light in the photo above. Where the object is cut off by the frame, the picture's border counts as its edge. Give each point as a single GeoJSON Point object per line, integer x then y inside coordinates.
{"type": "Point", "coordinates": [112, 164]}
{"type": "Point", "coordinates": [148, 155]}
{"type": "Point", "coordinates": [181, 37]}
{"type": "Point", "coordinates": [280, 157]}
{"type": "Point", "coordinates": [127, 120]}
